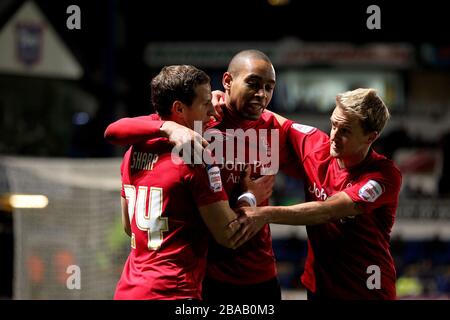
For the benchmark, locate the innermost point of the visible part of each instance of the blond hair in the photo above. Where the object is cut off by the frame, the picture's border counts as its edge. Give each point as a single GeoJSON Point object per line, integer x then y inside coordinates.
{"type": "Point", "coordinates": [367, 106]}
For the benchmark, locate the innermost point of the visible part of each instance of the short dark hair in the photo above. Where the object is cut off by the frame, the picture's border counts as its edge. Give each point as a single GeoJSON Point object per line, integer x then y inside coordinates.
{"type": "Point", "coordinates": [252, 54]}
{"type": "Point", "coordinates": [173, 83]}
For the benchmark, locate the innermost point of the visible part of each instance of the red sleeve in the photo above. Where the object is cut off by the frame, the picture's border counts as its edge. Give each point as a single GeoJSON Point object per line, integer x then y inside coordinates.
{"type": "Point", "coordinates": [289, 163]}
{"type": "Point", "coordinates": [205, 185]}
{"type": "Point", "coordinates": [376, 189]}
{"type": "Point", "coordinates": [304, 139]}
{"type": "Point", "coordinates": [299, 142]}
{"type": "Point", "coordinates": [129, 131]}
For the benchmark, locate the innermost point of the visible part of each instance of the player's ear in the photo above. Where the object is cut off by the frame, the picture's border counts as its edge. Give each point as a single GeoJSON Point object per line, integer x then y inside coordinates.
{"type": "Point", "coordinates": [177, 108]}
{"type": "Point", "coordinates": [371, 137]}
{"type": "Point", "coordinates": [226, 80]}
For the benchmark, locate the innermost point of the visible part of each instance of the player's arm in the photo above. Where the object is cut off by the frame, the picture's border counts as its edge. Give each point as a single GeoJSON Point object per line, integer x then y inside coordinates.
{"type": "Point", "coordinates": [125, 218]}
{"type": "Point", "coordinates": [128, 131]}
{"type": "Point", "coordinates": [207, 191]}
{"type": "Point", "coordinates": [336, 207]}
{"type": "Point", "coordinates": [221, 222]}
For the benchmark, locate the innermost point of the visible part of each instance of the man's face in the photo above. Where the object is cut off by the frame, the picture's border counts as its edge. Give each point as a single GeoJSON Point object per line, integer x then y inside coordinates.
{"type": "Point", "coordinates": [251, 88]}
{"type": "Point", "coordinates": [201, 108]}
{"type": "Point", "coordinates": [347, 138]}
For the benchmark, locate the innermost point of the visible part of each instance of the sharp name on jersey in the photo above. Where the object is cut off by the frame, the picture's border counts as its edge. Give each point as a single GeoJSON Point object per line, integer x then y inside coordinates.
{"type": "Point", "coordinates": [143, 160]}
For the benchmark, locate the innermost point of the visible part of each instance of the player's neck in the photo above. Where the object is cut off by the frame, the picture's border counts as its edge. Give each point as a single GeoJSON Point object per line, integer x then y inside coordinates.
{"type": "Point", "coordinates": [231, 111]}
{"type": "Point", "coordinates": [171, 117]}
{"type": "Point", "coordinates": [353, 160]}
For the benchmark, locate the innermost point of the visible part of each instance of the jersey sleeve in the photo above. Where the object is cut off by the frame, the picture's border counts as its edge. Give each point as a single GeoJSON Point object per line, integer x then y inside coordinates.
{"type": "Point", "coordinates": [205, 185]}
{"type": "Point", "coordinates": [136, 130]}
{"type": "Point", "coordinates": [376, 189]}
{"type": "Point", "coordinates": [304, 139]}
{"type": "Point", "coordinates": [299, 141]}
{"type": "Point", "coordinates": [289, 163]}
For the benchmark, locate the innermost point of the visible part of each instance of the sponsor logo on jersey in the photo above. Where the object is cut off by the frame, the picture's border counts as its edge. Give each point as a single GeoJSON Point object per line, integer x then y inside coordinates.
{"type": "Point", "coordinates": [303, 128]}
{"type": "Point", "coordinates": [233, 146]}
{"type": "Point", "coordinates": [370, 191]}
{"type": "Point", "coordinates": [319, 193]}
{"type": "Point", "coordinates": [215, 182]}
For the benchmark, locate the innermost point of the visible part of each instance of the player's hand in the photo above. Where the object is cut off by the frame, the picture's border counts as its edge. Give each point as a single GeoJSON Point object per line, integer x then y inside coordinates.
{"type": "Point", "coordinates": [251, 220]}
{"type": "Point", "coordinates": [262, 187]}
{"type": "Point", "coordinates": [218, 102]}
{"type": "Point", "coordinates": [232, 228]}
{"type": "Point", "coordinates": [184, 138]}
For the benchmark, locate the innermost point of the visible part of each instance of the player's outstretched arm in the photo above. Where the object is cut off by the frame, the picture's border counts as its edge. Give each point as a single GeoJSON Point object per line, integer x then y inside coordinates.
{"type": "Point", "coordinates": [336, 207]}
{"type": "Point", "coordinates": [128, 131]}
{"type": "Point", "coordinates": [309, 213]}
{"type": "Point", "coordinates": [180, 135]}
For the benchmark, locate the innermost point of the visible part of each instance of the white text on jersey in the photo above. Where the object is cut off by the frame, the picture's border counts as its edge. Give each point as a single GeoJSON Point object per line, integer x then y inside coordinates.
{"type": "Point", "coordinates": [143, 160]}
{"type": "Point", "coordinates": [319, 193]}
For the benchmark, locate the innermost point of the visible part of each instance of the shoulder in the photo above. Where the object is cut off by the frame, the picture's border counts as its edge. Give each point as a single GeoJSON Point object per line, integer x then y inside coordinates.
{"type": "Point", "coordinates": [306, 129]}
{"type": "Point", "coordinates": [385, 166]}
{"type": "Point", "coordinates": [275, 119]}
{"type": "Point", "coordinates": [303, 132]}
{"type": "Point", "coordinates": [128, 152]}
{"type": "Point", "coordinates": [380, 174]}
{"type": "Point", "coordinates": [126, 157]}
{"type": "Point", "coordinates": [268, 115]}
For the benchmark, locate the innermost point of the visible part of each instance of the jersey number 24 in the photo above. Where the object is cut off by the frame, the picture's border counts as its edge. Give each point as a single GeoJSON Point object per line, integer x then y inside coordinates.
{"type": "Point", "coordinates": [147, 218]}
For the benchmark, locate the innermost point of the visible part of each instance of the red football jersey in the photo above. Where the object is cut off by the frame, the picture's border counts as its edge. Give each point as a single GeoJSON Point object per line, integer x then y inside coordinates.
{"type": "Point", "coordinates": [169, 238]}
{"type": "Point", "coordinates": [344, 255]}
{"type": "Point", "coordinates": [254, 261]}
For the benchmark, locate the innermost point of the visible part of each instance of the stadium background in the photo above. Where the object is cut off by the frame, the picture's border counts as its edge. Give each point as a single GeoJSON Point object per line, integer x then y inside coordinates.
{"type": "Point", "coordinates": [60, 88]}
